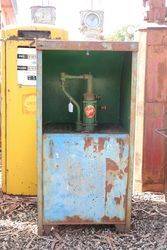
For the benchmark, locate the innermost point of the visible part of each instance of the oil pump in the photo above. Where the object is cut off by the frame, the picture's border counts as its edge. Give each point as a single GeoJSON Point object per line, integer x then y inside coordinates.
{"type": "Point", "coordinates": [89, 121]}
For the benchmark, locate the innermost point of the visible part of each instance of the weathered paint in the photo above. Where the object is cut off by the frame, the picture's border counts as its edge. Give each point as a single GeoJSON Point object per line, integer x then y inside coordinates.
{"type": "Point", "coordinates": [156, 78]}
{"type": "Point", "coordinates": [154, 147]}
{"type": "Point", "coordinates": [85, 178]}
{"type": "Point", "coordinates": [39, 143]}
{"type": "Point", "coordinates": [154, 150]}
{"type": "Point", "coordinates": [163, 133]}
{"type": "Point", "coordinates": [80, 45]}
{"type": "Point", "coordinates": [131, 141]}
{"type": "Point", "coordinates": [95, 146]}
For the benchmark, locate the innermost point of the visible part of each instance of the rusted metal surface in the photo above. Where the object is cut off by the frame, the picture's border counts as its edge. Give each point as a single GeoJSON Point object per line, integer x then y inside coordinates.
{"type": "Point", "coordinates": [87, 181]}
{"type": "Point", "coordinates": [163, 132]}
{"type": "Point", "coordinates": [131, 140]}
{"type": "Point", "coordinates": [85, 178]}
{"type": "Point", "coordinates": [76, 220]}
{"type": "Point", "coordinates": [154, 150]}
{"type": "Point", "coordinates": [157, 37]}
{"type": "Point", "coordinates": [157, 11]}
{"type": "Point", "coordinates": [156, 78]}
{"type": "Point", "coordinates": [80, 45]}
{"type": "Point", "coordinates": [154, 155]}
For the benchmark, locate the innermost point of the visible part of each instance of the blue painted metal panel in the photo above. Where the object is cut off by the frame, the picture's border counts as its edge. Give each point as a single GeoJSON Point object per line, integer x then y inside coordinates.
{"type": "Point", "coordinates": [85, 177]}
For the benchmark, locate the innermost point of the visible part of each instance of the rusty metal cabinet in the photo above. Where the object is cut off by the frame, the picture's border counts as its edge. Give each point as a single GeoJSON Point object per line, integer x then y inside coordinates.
{"type": "Point", "coordinates": [85, 177]}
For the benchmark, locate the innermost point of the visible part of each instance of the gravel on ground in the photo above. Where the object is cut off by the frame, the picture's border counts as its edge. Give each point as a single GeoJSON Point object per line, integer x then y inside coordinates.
{"type": "Point", "coordinates": [18, 227]}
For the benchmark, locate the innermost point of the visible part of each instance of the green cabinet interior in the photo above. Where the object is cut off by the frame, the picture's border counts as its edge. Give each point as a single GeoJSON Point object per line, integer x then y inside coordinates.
{"type": "Point", "coordinates": [111, 81]}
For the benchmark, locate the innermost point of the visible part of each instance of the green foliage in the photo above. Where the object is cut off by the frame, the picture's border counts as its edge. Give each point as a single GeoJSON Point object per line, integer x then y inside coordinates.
{"type": "Point", "coordinates": [123, 34]}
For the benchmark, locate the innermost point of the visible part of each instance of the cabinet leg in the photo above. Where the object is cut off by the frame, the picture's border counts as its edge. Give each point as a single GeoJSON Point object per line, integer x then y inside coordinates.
{"type": "Point", "coordinates": [40, 230]}
{"type": "Point", "coordinates": [121, 228]}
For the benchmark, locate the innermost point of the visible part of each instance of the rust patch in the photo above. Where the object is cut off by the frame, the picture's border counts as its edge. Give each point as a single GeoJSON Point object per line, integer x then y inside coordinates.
{"type": "Point", "coordinates": [87, 45]}
{"type": "Point", "coordinates": [124, 201]}
{"type": "Point", "coordinates": [101, 142]}
{"type": "Point", "coordinates": [126, 169]}
{"type": "Point", "coordinates": [121, 143]}
{"type": "Point", "coordinates": [88, 142]}
{"type": "Point", "coordinates": [121, 174]}
{"type": "Point", "coordinates": [96, 147]}
{"type": "Point", "coordinates": [118, 200]}
{"type": "Point", "coordinates": [109, 187]}
{"type": "Point", "coordinates": [75, 220]}
{"type": "Point", "coordinates": [162, 86]}
{"type": "Point", "coordinates": [106, 219]}
{"type": "Point", "coordinates": [111, 165]}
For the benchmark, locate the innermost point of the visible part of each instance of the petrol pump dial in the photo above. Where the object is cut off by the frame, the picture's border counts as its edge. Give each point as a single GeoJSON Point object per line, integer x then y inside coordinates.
{"type": "Point", "coordinates": [92, 20]}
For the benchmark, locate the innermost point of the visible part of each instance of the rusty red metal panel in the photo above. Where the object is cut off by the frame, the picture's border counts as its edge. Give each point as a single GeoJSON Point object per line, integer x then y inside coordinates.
{"type": "Point", "coordinates": [154, 155]}
{"type": "Point", "coordinates": [156, 78]}
{"type": "Point", "coordinates": [157, 36]}
{"type": "Point", "coordinates": [154, 152]}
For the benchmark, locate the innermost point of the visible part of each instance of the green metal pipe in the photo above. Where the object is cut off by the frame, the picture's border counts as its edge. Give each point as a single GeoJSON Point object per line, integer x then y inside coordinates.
{"type": "Point", "coordinates": [87, 77]}
{"type": "Point", "coordinates": [89, 84]}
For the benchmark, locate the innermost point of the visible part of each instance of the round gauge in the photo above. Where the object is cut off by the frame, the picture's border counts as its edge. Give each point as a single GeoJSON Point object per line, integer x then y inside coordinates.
{"type": "Point", "coordinates": [92, 20]}
{"type": "Point", "coordinates": [42, 15]}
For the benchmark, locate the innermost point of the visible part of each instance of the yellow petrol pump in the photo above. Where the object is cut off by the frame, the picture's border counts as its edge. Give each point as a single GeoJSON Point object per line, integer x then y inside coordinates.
{"type": "Point", "coordinates": [18, 97]}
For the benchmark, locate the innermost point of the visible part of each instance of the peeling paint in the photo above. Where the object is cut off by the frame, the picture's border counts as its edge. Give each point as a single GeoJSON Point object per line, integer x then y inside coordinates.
{"type": "Point", "coordinates": [101, 143]}
{"type": "Point", "coordinates": [83, 184]}
{"type": "Point", "coordinates": [88, 142]}
{"type": "Point", "coordinates": [126, 169]}
{"type": "Point", "coordinates": [111, 165]}
{"type": "Point", "coordinates": [118, 200]}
